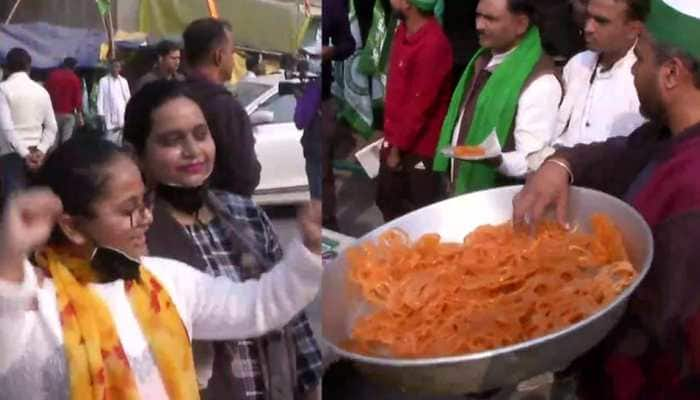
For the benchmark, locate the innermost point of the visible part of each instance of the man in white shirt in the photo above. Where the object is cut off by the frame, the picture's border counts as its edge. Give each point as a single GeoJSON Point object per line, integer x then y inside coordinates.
{"type": "Point", "coordinates": [112, 95]}
{"type": "Point", "coordinates": [510, 88]}
{"type": "Point", "coordinates": [28, 125]}
{"type": "Point", "coordinates": [601, 101]}
{"type": "Point", "coordinates": [11, 164]}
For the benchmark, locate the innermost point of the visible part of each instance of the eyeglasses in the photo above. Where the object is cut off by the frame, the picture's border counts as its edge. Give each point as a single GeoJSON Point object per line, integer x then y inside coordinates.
{"type": "Point", "coordinates": [146, 205]}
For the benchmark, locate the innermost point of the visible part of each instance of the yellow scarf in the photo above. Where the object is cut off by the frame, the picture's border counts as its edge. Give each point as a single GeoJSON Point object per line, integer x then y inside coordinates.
{"type": "Point", "coordinates": [97, 363]}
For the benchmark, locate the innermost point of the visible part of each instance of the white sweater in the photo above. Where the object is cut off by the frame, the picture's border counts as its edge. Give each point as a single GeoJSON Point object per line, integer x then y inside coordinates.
{"type": "Point", "coordinates": [32, 360]}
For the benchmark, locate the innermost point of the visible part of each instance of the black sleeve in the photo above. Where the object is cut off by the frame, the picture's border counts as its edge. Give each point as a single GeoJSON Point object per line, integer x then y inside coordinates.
{"type": "Point", "coordinates": [612, 166]}
{"type": "Point", "coordinates": [343, 42]}
{"type": "Point", "coordinates": [669, 294]}
{"type": "Point", "coordinates": [236, 169]}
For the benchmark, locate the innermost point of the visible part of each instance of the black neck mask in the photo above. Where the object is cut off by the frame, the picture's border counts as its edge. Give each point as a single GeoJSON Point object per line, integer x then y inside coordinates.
{"type": "Point", "coordinates": [111, 265]}
{"type": "Point", "coordinates": [183, 199]}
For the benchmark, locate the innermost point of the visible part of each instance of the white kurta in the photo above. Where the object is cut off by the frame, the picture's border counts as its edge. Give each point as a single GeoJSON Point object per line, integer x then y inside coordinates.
{"type": "Point", "coordinates": [598, 104]}
{"type": "Point", "coordinates": [535, 120]}
{"type": "Point", "coordinates": [32, 359]}
{"type": "Point", "coordinates": [112, 96]}
{"type": "Point", "coordinates": [7, 127]}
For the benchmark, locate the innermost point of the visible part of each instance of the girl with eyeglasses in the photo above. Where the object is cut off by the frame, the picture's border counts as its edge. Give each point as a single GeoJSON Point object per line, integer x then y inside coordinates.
{"type": "Point", "coordinates": [85, 313]}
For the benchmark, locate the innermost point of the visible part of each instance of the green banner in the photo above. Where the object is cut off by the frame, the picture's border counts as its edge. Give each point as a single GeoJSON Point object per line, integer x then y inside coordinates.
{"type": "Point", "coordinates": [359, 82]}
{"type": "Point", "coordinates": [103, 6]}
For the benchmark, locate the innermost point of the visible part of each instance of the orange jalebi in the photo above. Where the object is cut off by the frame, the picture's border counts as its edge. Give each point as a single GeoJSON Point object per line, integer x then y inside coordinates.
{"type": "Point", "coordinates": [469, 151]}
{"type": "Point", "coordinates": [499, 287]}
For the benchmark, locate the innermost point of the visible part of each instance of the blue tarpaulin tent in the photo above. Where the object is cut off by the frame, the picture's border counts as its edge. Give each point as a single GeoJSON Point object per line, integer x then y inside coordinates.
{"type": "Point", "coordinates": [50, 44]}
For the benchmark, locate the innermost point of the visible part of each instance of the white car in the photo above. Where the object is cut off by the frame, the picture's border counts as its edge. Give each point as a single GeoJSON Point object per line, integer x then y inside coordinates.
{"type": "Point", "coordinates": [283, 178]}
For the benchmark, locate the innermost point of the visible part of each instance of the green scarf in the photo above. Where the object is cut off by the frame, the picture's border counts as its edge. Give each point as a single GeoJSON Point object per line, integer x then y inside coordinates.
{"type": "Point", "coordinates": [495, 108]}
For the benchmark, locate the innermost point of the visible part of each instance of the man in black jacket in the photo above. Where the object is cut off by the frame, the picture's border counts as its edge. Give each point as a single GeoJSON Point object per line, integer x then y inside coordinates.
{"type": "Point", "coordinates": [209, 55]}
{"type": "Point", "coordinates": [337, 45]}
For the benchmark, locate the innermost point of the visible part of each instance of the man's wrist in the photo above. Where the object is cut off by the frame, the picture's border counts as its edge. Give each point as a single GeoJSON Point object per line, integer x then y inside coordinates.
{"type": "Point", "coordinates": [563, 163]}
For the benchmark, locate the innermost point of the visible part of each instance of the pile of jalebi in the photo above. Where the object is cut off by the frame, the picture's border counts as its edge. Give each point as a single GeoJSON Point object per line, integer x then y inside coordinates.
{"type": "Point", "coordinates": [469, 151]}
{"type": "Point", "coordinates": [499, 287]}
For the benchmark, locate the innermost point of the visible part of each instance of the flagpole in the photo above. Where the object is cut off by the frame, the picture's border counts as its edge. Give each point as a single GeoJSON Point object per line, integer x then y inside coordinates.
{"type": "Point", "coordinates": [113, 50]}
{"type": "Point", "coordinates": [213, 8]}
{"type": "Point", "coordinates": [12, 12]}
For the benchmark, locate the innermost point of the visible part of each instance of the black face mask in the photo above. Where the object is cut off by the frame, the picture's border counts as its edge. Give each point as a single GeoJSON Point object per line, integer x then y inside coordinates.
{"type": "Point", "coordinates": [184, 199]}
{"type": "Point", "coordinates": [111, 265]}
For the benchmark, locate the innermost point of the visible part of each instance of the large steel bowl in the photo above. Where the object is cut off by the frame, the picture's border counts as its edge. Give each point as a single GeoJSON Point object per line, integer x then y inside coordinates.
{"type": "Point", "coordinates": [503, 367]}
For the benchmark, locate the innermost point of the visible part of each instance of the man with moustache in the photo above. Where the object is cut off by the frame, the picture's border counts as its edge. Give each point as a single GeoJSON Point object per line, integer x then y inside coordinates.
{"type": "Point", "coordinates": [654, 353]}
{"type": "Point", "coordinates": [209, 49]}
{"type": "Point", "coordinates": [601, 100]}
{"type": "Point", "coordinates": [510, 87]}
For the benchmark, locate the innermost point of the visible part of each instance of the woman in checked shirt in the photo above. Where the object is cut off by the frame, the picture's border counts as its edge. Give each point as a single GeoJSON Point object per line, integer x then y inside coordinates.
{"type": "Point", "coordinates": [222, 234]}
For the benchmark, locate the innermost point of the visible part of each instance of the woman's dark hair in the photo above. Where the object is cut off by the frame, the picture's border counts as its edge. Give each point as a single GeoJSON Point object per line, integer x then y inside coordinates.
{"type": "Point", "coordinates": [137, 118]}
{"type": "Point", "coordinates": [76, 172]}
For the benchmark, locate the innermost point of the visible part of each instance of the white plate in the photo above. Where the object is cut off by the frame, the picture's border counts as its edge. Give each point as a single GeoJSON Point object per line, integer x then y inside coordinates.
{"type": "Point", "coordinates": [369, 158]}
{"type": "Point", "coordinates": [491, 145]}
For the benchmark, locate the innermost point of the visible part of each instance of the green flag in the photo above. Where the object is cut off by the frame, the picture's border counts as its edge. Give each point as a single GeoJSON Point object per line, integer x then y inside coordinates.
{"type": "Point", "coordinates": [103, 6]}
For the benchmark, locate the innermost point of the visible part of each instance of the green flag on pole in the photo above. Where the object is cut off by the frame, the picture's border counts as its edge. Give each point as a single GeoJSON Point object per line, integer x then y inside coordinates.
{"type": "Point", "coordinates": [103, 6]}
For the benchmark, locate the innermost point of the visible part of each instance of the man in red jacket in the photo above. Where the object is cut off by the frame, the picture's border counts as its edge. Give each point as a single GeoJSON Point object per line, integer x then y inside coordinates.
{"type": "Point", "coordinates": [66, 93]}
{"type": "Point", "coordinates": [417, 96]}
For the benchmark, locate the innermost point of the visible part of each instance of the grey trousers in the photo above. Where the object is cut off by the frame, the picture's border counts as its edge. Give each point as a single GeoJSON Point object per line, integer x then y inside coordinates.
{"type": "Point", "coordinates": [66, 126]}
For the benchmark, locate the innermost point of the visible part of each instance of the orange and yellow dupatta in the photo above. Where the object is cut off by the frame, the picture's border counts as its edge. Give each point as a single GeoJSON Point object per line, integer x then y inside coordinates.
{"type": "Point", "coordinates": [98, 366]}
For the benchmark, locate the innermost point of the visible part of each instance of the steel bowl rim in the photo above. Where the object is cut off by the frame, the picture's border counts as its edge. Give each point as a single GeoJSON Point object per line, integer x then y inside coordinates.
{"type": "Point", "coordinates": [438, 361]}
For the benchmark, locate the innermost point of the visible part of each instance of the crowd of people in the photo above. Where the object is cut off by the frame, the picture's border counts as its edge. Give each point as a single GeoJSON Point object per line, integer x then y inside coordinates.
{"type": "Point", "coordinates": [517, 86]}
{"type": "Point", "coordinates": [134, 262]}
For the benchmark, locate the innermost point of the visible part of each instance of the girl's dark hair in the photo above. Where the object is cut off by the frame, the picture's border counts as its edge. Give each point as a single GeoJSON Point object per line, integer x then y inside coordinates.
{"type": "Point", "coordinates": [137, 118]}
{"type": "Point", "coordinates": [77, 172]}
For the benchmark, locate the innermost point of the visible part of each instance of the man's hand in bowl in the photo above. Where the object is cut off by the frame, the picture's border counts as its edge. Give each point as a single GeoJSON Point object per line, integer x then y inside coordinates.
{"type": "Point", "coordinates": [547, 187]}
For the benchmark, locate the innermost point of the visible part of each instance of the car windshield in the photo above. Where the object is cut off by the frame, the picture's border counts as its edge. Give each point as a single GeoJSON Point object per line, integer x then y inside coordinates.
{"type": "Point", "coordinates": [246, 92]}
{"type": "Point", "coordinates": [282, 106]}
